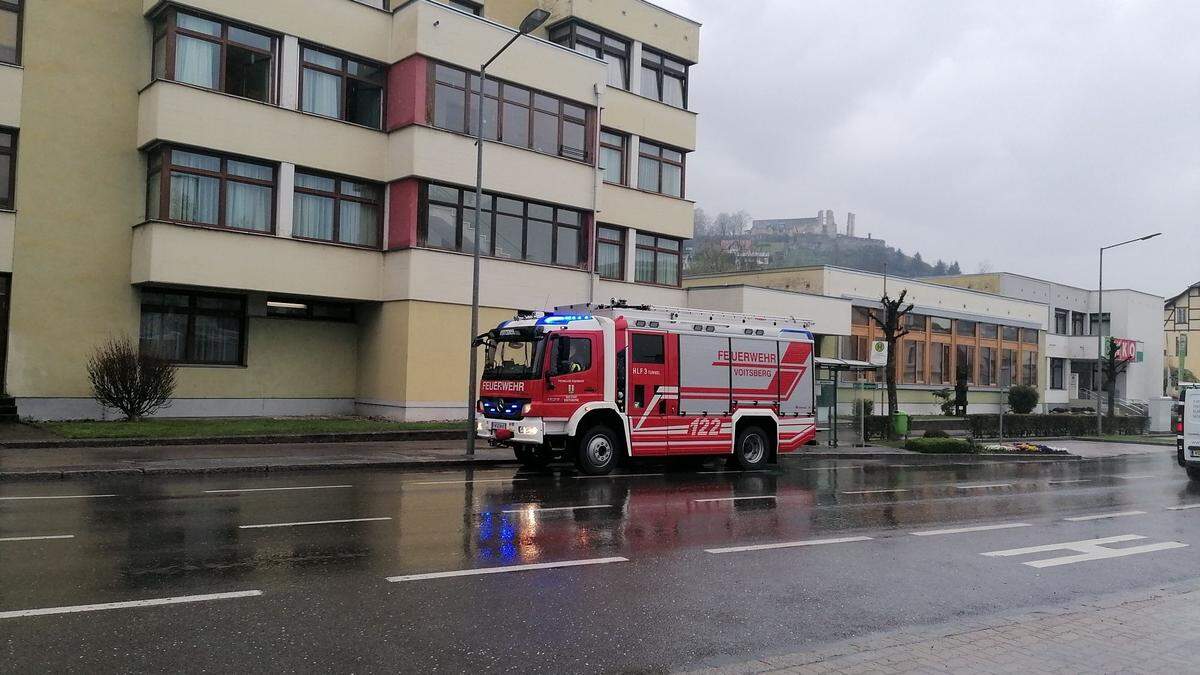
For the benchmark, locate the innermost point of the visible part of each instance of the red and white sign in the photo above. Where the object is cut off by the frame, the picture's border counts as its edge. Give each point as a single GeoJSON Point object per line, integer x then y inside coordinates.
{"type": "Point", "coordinates": [1126, 349]}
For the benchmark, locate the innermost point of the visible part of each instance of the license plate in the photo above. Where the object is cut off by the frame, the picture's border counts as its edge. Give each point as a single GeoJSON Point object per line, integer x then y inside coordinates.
{"type": "Point", "coordinates": [499, 425]}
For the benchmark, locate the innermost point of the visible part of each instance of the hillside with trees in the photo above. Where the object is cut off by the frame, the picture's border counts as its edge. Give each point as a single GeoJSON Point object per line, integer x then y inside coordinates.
{"type": "Point", "coordinates": [725, 243]}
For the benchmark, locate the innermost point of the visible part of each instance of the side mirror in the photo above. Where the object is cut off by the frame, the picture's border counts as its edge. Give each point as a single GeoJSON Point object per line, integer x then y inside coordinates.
{"type": "Point", "coordinates": [551, 360]}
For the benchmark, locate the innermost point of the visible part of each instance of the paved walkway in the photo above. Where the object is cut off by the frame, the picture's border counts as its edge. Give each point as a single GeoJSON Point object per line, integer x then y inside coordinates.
{"type": "Point", "coordinates": [81, 462]}
{"type": "Point", "coordinates": [1142, 633]}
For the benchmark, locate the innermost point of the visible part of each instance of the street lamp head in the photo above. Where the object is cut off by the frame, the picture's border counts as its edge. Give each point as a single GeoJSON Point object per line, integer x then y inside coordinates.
{"type": "Point", "coordinates": [534, 19]}
{"type": "Point", "coordinates": [1150, 236]}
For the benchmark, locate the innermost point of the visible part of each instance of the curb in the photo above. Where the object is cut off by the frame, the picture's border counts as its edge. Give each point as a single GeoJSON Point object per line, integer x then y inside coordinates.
{"type": "Point", "coordinates": [349, 437]}
{"type": "Point", "coordinates": [947, 455]}
{"type": "Point", "coordinates": [139, 472]}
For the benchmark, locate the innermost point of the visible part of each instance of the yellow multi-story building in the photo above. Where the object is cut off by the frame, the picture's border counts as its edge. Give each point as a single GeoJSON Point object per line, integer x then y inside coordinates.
{"type": "Point", "coordinates": [1181, 334]}
{"type": "Point", "coordinates": [277, 195]}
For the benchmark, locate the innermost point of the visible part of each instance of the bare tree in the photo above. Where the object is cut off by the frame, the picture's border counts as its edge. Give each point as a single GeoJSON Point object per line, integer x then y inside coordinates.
{"type": "Point", "coordinates": [731, 224]}
{"type": "Point", "coordinates": [892, 326]}
{"type": "Point", "coordinates": [702, 224]}
{"type": "Point", "coordinates": [128, 380]}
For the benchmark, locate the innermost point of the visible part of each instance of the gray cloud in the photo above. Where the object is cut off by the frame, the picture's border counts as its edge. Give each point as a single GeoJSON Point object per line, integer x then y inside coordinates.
{"type": "Point", "coordinates": [1022, 133]}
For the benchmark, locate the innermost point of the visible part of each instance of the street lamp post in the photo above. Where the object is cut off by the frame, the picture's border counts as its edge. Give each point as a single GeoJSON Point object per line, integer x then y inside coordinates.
{"type": "Point", "coordinates": [529, 24]}
{"type": "Point", "coordinates": [1100, 331]}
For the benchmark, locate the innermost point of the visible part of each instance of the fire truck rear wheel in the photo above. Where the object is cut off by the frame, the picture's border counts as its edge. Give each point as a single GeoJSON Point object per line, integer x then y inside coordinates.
{"type": "Point", "coordinates": [752, 450]}
{"type": "Point", "coordinates": [597, 451]}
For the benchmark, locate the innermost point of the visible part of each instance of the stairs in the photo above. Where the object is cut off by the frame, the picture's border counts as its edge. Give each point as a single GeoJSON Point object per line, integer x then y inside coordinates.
{"type": "Point", "coordinates": [8, 410]}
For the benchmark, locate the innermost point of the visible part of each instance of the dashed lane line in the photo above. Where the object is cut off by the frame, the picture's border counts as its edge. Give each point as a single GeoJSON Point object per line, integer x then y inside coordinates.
{"type": "Point", "coordinates": [38, 538]}
{"type": "Point", "coordinates": [540, 509]}
{"type": "Point", "coordinates": [1102, 516]}
{"type": "Point", "coordinates": [1183, 507]}
{"type": "Point", "coordinates": [872, 492]}
{"type": "Point", "coordinates": [1068, 482]}
{"type": "Point", "coordinates": [312, 522]}
{"type": "Point", "coordinates": [622, 475]}
{"type": "Point", "coordinates": [734, 499]}
{"type": "Point", "coordinates": [973, 528]}
{"type": "Point", "coordinates": [125, 605]}
{"type": "Point", "coordinates": [984, 486]}
{"type": "Point", "coordinates": [505, 569]}
{"type": "Point", "coordinates": [786, 544]}
{"type": "Point", "coordinates": [279, 489]}
{"type": "Point", "coordinates": [1129, 477]}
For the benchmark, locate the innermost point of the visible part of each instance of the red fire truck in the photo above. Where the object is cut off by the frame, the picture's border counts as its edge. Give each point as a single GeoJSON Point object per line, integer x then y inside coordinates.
{"type": "Point", "coordinates": [594, 383]}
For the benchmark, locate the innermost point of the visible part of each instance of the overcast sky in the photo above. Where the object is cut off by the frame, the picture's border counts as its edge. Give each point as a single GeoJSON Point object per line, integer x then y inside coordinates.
{"type": "Point", "coordinates": [1019, 134]}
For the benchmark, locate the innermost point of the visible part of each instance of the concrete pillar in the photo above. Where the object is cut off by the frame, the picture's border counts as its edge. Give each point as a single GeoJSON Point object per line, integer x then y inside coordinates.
{"type": "Point", "coordinates": [631, 159]}
{"type": "Point", "coordinates": [289, 73]}
{"type": "Point", "coordinates": [635, 67]}
{"type": "Point", "coordinates": [284, 205]}
{"type": "Point", "coordinates": [630, 253]}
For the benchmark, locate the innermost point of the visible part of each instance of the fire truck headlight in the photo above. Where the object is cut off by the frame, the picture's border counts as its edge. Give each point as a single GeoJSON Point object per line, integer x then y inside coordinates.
{"type": "Point", "coordinates": [481, 426]}
{"type": "Point", "coordinates": [527, 431]}
{"type": "Point", "coordinates": [526, 408]}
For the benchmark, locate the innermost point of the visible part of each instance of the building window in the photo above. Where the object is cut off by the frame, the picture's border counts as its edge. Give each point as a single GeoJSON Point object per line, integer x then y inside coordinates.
{"type": "Point", "coordinates": [660, 169]}
{"type": "Point", "coordinates": [612, 156]}
{"type": "Point", "coordinates": [1106, 327]}
{"type": "Point", "coordinates": [657, 260]}
{"type": "Point", "coordinates": [965, 328]}
{"type": "Point", "coordinates": [512, 114]}
{"type": "Point", "coordinates": [940, 325]}
{"type": "Point", "coordinates": [196, 328]}
{"type": "Point", "coordinates": [965, 361]}
{"type": "Point", "coordinates": [1181, 314]}
{"type": "Point", "coordinates": [1061, 319]}
{"type": "Point", "coordinates": [939, 363]}
{"type": "Point", "coordinates": [648, 348]}
{"type": "Point", "coordinates": [1029, 336]}
{"type": "Point", "coordinates": [664, 78]}
{"type": "Point", "coordinates": [610, 252]}
{"type": "Point", "coordinates": [598, 44]}
{"type": "Point", "coordinates": [914, 362]}
{"type": "Point", "coordinates": [860, 316]}
{"type": "Point", "coordinates": [1029, 369]}
{"type": "Point", "coordinates": [475, 8]}
{"type": "Point", "coordinates": [333, 208]}
{"type": "Point", "coordinates": [987, 366]}
{"type": "Point", "coordinates": [1057, 367]}
{"type": "Point", "coordinates": [915, 323]}
{"type": "Point", "coordinates": [1007, 363]}
{"type": "Point", "coordinates": [510, 228]}
{"type": "Point", "coordinates": [1010, 333]}
{"type": "Point", "coordinates": [214, 54]}
{"type": "Point", "coordinates": [8, 167]}
{"type": "Point", "coordinates": [988, 331]}
{"type": "Point", "coordinates": [200, 188]}
{"type": "Point", "coordinates": [1077, 321]}
{"type": "Point", "coordinates": [342, 87]}
{"type": "Point", "coordinates": [314, 310]}
{"type": "Point", "coordinates": [10, 31]}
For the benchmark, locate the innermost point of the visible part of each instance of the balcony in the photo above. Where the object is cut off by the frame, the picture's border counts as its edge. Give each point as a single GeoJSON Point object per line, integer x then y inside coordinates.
{"type": "Point", "coordinates": [164, 253]}
{"type": "Point", "coordinates": [445, 276]}
{"type": "Point", "coordinates": [645, 211]}
{"type": "Point", "coordinates": [652, 120]}
{"type": "Point", "coordinates": [441, 155]}
{"type": "Point", "coordinates": [169, 111]}
{"type": "Point", "coordinates": [637, 19]}
{"type": "Point", "coordinates": [10, 95]}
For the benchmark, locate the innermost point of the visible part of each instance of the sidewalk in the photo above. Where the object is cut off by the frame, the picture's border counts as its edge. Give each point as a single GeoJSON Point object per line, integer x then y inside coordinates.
{"type": "Point", "coordinates": [1133, 632]}
{"type": "Point", "coordinates": [85, 462]}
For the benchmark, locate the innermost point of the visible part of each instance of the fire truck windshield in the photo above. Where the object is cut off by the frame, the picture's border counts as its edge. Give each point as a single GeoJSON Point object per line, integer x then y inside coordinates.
{"type": "Point", "coordinates": [519, 359]}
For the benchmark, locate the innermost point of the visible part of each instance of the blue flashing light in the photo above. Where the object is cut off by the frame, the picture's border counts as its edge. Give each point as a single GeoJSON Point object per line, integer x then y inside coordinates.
{"type": "Point", "coordinates": [556, 319]}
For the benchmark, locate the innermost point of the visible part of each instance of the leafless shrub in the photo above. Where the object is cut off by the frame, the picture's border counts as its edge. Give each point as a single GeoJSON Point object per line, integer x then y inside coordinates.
{"type": "Point", "coordinates": [123, 378]}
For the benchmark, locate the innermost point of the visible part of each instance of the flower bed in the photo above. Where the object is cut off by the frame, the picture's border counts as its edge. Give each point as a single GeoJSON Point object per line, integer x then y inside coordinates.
{"type": "Point", "coordinates": [1022, 448]}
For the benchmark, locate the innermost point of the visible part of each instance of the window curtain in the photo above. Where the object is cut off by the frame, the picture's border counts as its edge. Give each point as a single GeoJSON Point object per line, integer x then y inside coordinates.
{"type": "Point", "coordinates": [643, 266]}
{"type": "Point", "coordinates": [217, 339]}
{"type": "Point", "coordinates": [648, 174]}
{"type": "Point", "coordinates": [248, 207]}
{"type": "Point", "coordinates": [195, 198]}
{"type": "Point", "coordinates": [313, 216]}
{"type": "Point", "coordinates": [357, 224]}
{"type": "Point", "coordinates": [164, 335]}
{"type": "Point", "coordinates": [322, 93]}
{"type": "Point", "coordinates": [197, 62]}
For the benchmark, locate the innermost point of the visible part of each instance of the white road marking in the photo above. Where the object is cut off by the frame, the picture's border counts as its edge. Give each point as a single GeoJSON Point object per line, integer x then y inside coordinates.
{"type": "Point", "coordinates": [274, 489]}
{"type": "Point", "coordinates": [57, 497]}
{"type": "Point", "coordinates": [311, 522]}
{"type": "Point", "coordinates": [1089, 549]}
{"type": "Point", "coordinates": [124, 605]}
{"type": "Point", "coordinates": [462, 482]}
{"type": "Point", "coordinates": [983, 486]}
{"type": "Point", "coordinates": [623, 475]}
{"type": "Point", "coordinates": [1065, 482]}
{"type": "Point", "coordinates": [1129, 477]}
{"type": "Point", "coordinates": [786, 544]}
{"type": "Point", "coordinates": [870, 492]}
{"type": "Point", "coordinates": [508, 568]}
{"type": "Point", "coordinates": [830, 468]}
{"type": "Point", "coordinates": [538, 509]}
{"type": "Point", "coordinates": [973, 528]}
{"type": "Point", "coordinates": [39, 538]}
{"type": "Point", "coordinates": [1101, 516]}
{"type": "Point", "coordinates": [734, 499]}
{"type": "Point", "coordinates": [738, 471]}
{"type": "Point", "coordinates": [1183, 507]}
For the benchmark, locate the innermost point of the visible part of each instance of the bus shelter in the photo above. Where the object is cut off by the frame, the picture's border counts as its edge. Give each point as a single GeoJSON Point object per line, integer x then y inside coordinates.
{"type": "Point", "coordinates": [829, 373]}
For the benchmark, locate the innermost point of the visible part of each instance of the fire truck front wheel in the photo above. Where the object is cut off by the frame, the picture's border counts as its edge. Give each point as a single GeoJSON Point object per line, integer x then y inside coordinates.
{"type": "Point", "coordinates": [752, 450]}
{"type": "Point", "coordinates": [597, 451]}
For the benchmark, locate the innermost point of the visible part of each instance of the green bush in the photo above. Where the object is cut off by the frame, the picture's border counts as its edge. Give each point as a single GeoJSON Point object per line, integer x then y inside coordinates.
{"type": "Point", "coordinates": [939, 445]}
{"type": "Point", "coordinates": [935, 433]}
{"type": "Point", "coordinates": [1026, 426]}
{"type": "Point", "coordinates": [1022, 399]}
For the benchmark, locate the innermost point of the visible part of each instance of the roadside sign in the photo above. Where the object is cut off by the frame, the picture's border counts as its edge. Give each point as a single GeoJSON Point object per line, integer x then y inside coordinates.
{"type": "Point", "coordinates": [879, 353]}
{"type": "Point", "coordinates": [1181, 344]}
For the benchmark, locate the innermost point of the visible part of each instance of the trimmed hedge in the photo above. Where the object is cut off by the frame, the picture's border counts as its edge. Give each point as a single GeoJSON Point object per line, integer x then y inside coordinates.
{"type": "Point", "coordinates": [878, 426]}
{"type": "Point", "coordinates": [1024, 426]}
{"type": "Point", "coordinates": [939, 445]}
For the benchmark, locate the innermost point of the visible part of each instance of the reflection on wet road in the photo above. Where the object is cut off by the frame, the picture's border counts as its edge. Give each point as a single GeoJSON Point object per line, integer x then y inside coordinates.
{"type": "Point", "coordinates": [638, 548]}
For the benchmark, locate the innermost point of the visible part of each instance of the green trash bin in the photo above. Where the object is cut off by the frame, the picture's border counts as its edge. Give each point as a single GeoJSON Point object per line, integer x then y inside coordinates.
{"type": "Point", "coordinates": [900, 423]}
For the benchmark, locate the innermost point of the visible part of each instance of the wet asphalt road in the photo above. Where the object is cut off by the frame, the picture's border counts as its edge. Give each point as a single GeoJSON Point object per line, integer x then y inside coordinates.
{"type": "Point", "coordinates": [653, 596]}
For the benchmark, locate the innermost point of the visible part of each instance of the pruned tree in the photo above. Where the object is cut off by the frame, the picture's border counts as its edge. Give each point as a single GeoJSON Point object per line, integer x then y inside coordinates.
{"type": "Point", "coordinates": [134, 382]}
{"type": "Point", "coordinates": [891, 323]}
{"type": "Point", "coordinates": [1112, 367]}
